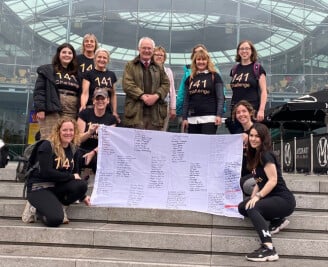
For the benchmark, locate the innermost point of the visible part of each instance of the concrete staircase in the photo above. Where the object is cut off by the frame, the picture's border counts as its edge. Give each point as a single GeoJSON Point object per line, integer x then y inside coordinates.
{"type": "Point", "coordinates": [146, 237]}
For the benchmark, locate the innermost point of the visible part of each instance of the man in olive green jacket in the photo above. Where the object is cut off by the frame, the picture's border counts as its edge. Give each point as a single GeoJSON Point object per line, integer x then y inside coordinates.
{"type": "Point", "coordinates": [146, 86]}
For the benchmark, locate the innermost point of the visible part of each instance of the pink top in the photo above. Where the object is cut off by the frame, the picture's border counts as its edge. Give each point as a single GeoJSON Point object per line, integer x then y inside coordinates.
{"type": "Point", "coordinates": [172, 93]}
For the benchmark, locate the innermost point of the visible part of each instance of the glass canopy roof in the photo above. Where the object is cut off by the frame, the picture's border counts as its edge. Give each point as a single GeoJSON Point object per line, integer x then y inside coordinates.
{"type": "Point", "coordinates": [304, 19]}
{"type": "Point", "coordinates": [168, 20]}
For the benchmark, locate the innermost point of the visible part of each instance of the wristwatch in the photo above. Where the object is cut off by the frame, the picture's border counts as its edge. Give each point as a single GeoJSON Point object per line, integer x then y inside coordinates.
{"type": "Point", "coordinates": [258, 194]}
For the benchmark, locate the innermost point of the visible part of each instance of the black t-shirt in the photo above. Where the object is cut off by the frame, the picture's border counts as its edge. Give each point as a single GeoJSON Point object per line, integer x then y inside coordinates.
{"type": "Point", "coordinates": [261, 178]}
{"type": "Point", "coordinates": [67, 81]}
{"type": "Point", "coordinates": [245, 86]}
{"type": "Point", "coordinates": [100, 79]}
{"type": "Point", "coordinates": [244, 170]}
{"type": "Point", "coordinates": [52, 168]}
{"type": "Point", "coordinates": [88, 116]}
{"type": "Point", "coordinates": [201, 96]}
{"type": "Point", "coordinates": [85, 64]}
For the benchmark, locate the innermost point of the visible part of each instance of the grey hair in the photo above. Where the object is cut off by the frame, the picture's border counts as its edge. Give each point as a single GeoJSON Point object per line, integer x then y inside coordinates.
{"type": "Point", "coordinates": [89, 35]}
{"type": "Point", "coordinates": [146, 38]}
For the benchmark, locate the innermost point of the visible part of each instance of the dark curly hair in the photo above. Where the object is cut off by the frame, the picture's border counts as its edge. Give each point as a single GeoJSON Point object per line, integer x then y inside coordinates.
{"type": "Point", "coordinates": [247, 105]}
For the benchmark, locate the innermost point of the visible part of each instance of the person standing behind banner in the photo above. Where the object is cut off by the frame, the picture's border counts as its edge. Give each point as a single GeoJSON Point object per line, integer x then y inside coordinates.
{"type": "Point", "coordinates": [160, 58]}
{"type": "Point", "coordinates": [146, 86]}
{"type": "Point", "coordinates": [187, 72]}
{"type": "Point", "coordinates": [243, 112]}
{"type": "Point", "coordinates": [88, 123]}
{"type": "Point", "coordinates": [100, 77]}
{"type": "Point", "coordinates": [204, 98]}
{"type": "Point", "coordinates": [86, 59]}
{"type": "Point", "coordinates": [271, 200]}
{"type": "Point", "coordinates": [56, 183]}
{"type": "Point", "coordinates": [246, 84]}
{"type": "Point", "coordinates": [57, 89]}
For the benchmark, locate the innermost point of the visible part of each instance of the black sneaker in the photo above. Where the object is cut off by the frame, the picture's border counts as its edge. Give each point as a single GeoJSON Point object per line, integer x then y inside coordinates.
{"type": "Point", "coordinates": [263, 254]}
{"type": "Point", "coordinates": [277, 225]}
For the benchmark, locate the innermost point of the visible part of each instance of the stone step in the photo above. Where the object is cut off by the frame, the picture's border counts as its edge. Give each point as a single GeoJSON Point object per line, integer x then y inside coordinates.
{"type": "Point", "coordinates": [9, 172]}
{"type": "Point", "coordinates": [20, 255]}
{"type": "Point", "coordinates": [151, 237]}
{"type": "Point", "coordinates": [304, 200]}
{"type": "Point", "coordinates": [299, 220]}
{"type": "Point", "coordinates": [98, 236]}
{"type": "Point", "coordinates": [307, 183]}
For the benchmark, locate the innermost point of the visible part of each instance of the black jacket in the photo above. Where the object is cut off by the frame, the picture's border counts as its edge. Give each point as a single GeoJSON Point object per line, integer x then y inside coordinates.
{"type": "Point", "coordinates": [46, 95]}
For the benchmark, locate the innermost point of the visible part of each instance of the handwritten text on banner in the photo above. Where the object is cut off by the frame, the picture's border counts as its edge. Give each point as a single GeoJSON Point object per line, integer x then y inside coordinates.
{"type": "Point", "coordinates": [161, 170]}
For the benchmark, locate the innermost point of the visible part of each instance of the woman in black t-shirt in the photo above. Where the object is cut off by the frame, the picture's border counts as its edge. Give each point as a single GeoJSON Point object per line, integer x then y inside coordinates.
{"type": "Point", "coordinates": [56, 183]}
{"type": "Point", "coordinates": [243, 112]}
{"type": "Point", "coordinates": [86, 59]}
{"type": "Point", "coordinates": [270, 199]}
{"type": "Point", "coordinates": [57, 89]}
{"type": "Point", "coordinates": [99, 77]}
{"type": "Point", "coordinates": [204, 98]}
{"type": "Point", "coordinates": [248, 83]}
{"type": "Point", "coordinates": [88, 123]}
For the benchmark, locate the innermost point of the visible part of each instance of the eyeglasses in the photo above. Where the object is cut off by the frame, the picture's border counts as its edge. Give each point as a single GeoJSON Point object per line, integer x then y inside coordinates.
{"type": "Point", "coordinates": [244, 48]}
{"type": "Point", "coordinates": [159, 55]}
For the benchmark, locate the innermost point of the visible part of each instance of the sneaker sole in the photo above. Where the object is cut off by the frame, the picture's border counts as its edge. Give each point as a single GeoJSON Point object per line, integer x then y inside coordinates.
{"type": "Point", "coordinates": [29, 220]}
{"type": "Point", "coordinates": [281, 226]}
{"type": "Point", "coordinates": [269, 258]}
{"type": "Point", "coordinates": [29, 216]}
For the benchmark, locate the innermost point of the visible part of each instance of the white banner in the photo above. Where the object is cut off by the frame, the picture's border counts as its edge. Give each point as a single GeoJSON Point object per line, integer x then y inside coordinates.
{"type": "Point", "coordinates": [161, 170]}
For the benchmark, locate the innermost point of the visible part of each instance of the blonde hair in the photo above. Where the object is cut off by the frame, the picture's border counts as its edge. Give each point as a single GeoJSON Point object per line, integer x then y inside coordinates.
{"type": "Point", "coordinates": [204, 55]}
{"type": "Point", "coordinates": [193, 51]}
{"type": "Point", "coordinates": [162, 49]}
{"type": "Point", "coordinates": [55, 137]}
{"type": "Point", "coordinates": [100, 49]}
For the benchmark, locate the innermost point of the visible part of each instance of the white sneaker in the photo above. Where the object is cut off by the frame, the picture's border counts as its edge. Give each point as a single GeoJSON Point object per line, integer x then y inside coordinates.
{"type": "Point", "coordinates": [65, 220]}
{"type": "Point", "coordinates": [275, 229]}
{"type": "Point", "coordinates": [29, 213]}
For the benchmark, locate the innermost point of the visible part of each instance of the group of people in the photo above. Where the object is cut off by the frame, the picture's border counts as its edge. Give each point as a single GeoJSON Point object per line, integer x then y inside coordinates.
{"type": "Point", "coordinates": [82, 88]}
{"type": "Point", "coordinates": [73, 95]}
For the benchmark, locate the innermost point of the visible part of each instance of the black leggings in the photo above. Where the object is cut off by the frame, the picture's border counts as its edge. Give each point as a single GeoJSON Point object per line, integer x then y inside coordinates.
{"type": "Point", "coordinates": [49, 201]}
{"type": "Point", "coordinates": [202, 128]}
{"type": "Point", "coordinates": [267, 209]}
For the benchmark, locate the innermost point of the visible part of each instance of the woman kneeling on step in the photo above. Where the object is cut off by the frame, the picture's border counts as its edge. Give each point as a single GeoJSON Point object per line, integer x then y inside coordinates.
{"type": "Point", "coordinates": [270, 198]}
{"type": "Point", "coordinates": [56, 183]}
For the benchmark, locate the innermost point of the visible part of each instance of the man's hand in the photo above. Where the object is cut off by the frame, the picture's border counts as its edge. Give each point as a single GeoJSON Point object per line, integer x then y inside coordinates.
{"type": "Point", "coordinates": [150, 99]}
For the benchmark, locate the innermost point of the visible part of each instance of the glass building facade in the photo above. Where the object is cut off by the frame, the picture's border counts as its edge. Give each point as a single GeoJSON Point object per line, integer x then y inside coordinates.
{"type": "Point", "coordinates": [289, 35]}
